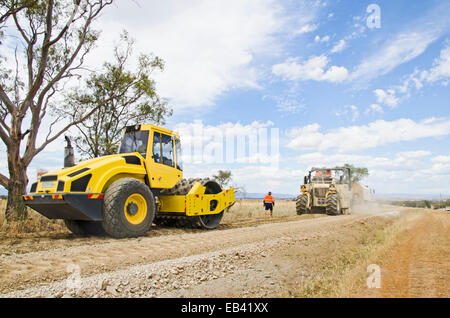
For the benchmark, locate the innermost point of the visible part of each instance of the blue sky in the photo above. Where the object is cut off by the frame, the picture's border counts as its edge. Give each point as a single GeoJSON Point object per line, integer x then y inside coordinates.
{"type": "Point", "coordinates": [336, 88]}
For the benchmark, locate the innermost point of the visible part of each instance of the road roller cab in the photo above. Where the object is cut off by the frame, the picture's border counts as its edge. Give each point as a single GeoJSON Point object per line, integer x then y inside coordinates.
{"type": "Point", "coordinates": [124, 194]}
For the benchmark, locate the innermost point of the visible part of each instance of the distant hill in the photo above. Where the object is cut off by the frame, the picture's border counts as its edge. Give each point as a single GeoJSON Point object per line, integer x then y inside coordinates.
{"type": "Point", "coordinates": [389, 196]}
{"type": "Point", "coordinates": [408, 196]}
{"type": "Point", "coordinates": [260, 196]}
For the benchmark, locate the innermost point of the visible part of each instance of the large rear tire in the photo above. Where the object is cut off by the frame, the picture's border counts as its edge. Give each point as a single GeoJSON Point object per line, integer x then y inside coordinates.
{"type": "Point", "coordinates": [333, 204]}
{"type": "Point", "coordinates": [128, 208]}
{"type": "Point", "coordinates": [301, 204]}
{"type": "Point", "coordinates": [85, 228]}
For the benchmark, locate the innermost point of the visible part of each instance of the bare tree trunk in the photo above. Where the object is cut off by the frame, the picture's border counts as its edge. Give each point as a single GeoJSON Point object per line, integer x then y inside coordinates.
{"type": "Point", "coordinates": [29, 94]}
{"type": "Point", "coordinates": [17, 185]}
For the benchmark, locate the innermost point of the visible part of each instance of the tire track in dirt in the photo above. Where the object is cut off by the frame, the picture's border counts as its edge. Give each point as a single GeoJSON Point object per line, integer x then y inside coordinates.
{"type": "Point", "coordinates": [20, 271]}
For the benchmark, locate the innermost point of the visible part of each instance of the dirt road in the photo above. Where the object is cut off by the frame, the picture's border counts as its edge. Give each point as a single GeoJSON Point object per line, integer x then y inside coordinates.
{"type": "Point", "coordinates": [418, 265]}
{"type": "Point", "coordinates": [268, 258]}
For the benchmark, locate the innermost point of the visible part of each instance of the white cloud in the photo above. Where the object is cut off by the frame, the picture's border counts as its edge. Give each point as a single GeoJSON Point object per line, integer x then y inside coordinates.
{"type": "Point", "coordinates": [255, 178]}
{"type": "Point", "coordinates": [228, 129]}
{"type": "Point", "coordinates": [306, 29]}
{"type": "Point", "coordinates": [257, 142]}
{"type": "Point", "coordinates": [394, 163]}
{"type": "Point", "coordinates": [374, 109]}
{"type": "Point", "coordinates": [438, 170]}
{"type": "Point", "coordinates": [414, 154]}
{"type": "Point", "coordinates": [375, 134]}
{"type": "Point", "coordinates": [386, 97]}
{"type": "Point", "coordinates": [325, 38]}
{"type": "Point", "coordinates": [439, 72]}
{"type": "Point", "coordinates": [405, 45]}
{"type": "Point", "coordinates": [311, 69]}
{"type": "Point", "coordinates": [412, 80]}
{"type": "Point", "coordinates": [288, 105]}
{"type": "Point", "coordinates": [341, 45]}
{"type": "Point", "coordinates": [209, 46]}
{"type": "Point", "coordinates": [442, 159]}
{"type": "Point", "coordinates": [440, 69]}
{"type": "Point", "coordinates": [350, 111]}
{"type": "Point", "coordinates": [260, 173]}
{"type": "Point", "coordinates": [403, 48]}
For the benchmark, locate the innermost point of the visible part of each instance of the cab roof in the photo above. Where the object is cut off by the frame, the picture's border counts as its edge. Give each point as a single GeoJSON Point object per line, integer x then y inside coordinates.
{"type": "Point", "coordinates": [333, 169]}
{"type": "Point", "coordinates": [151, 127]}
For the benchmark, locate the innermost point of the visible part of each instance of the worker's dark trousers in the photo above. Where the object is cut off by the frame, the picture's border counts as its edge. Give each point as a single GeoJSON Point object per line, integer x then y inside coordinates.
{"type": "Point", "coordinates": [269, 206]}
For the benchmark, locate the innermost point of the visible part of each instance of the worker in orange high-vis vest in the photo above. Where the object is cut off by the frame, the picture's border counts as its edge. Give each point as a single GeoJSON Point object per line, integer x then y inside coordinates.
{"type": "Point", "coordinates": [269, 203]}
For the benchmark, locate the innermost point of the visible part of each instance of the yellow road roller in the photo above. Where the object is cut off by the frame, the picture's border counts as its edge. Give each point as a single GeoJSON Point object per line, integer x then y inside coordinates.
{"type": "Point", "coordinates": [122, 195]}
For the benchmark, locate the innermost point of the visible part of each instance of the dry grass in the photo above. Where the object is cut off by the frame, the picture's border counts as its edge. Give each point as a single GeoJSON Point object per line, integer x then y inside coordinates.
{"type": "Point", "coordinates": [35, 223]}
{"type": "Point", "coordinates": [254, 209]}
{"type": "Point", "coordinates": [344, 277]}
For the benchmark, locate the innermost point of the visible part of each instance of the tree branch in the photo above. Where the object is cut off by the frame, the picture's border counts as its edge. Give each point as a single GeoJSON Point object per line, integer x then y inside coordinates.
{"type": "Point", "coordinates": [4, 181]}
{"type": "Point", "coordinates": [21, 30]}
{"type": "Point", "coordinates": [43, 59]}
{"type": "Point", "coordinates": [66, 27]}
{"type": "Point", "coordinates": [12, 11]}
{"type": "Point", "coordinates": [28, 156]}
{"type": "Point", "coordinates": [5, 99]}
{"type": "Point", "coordinates": [5, 137]}
{"type": "Point", "coordinates": [36, 112]}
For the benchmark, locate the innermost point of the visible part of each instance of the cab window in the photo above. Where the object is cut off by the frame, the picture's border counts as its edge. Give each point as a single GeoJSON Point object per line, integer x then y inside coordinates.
{"type": "Point", "coordinates": [157, 147]}
{"type": "Point", "coordinates": [135, 142]}
{"type": "Point", "coordinates": [178, 149]}
{"type": "Point", "coordinates": [167, 150]}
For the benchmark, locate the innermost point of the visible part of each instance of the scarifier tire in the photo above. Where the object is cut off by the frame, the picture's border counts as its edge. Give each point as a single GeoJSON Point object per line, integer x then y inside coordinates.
{"type": "Point", "coordinates": [301, 204]}
{"type": "Point", "coordinates": [207, 222]}
{"type": "Point", "coordinates": [85, 228]}
{"type": "Point", "coordinates": [114, 221]}
{"type": "Point", "coordinates": [333, 204]}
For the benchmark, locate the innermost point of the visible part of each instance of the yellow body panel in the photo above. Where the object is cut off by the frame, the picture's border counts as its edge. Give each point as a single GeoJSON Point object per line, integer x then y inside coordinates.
{"type": "Point", "coordinates": [196, 202]}
{"type": "Point", "coordinates": [103, 171]}
{"type": "Point", "coordinates": [161, 176]}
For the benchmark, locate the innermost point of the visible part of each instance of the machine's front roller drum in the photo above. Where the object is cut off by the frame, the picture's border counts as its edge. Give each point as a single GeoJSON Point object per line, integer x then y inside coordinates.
{"type": "Point", "coordinates": [183, 187]}
{"type": "Point", "coordinates": [129, 208]}
{"type": "Point", "coordinates": [210, 221]}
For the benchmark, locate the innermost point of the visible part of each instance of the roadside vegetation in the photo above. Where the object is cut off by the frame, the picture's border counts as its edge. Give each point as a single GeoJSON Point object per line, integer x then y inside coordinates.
{"type": "Point", "coordinates": [424, 204]}
{"type": "Point", "coordinates": [346, 275]}
{"type": "Point", "coordinates": [34, 223]}
{"type": "Point", "coordinates": [253, 209]}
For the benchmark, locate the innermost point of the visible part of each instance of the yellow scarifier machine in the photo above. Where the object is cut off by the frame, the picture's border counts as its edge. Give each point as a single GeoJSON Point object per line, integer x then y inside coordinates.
{"type": "Point", "coordinates": [124, 194]}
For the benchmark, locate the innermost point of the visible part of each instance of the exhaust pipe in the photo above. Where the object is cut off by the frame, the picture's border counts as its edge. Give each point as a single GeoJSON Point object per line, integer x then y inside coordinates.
{"type": "Point", "coordinates": [69, 157]}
